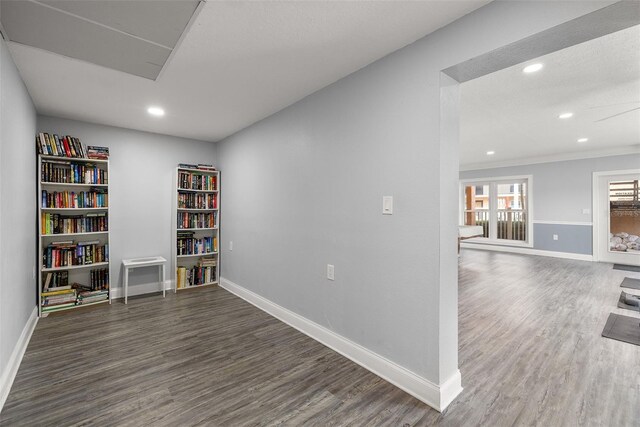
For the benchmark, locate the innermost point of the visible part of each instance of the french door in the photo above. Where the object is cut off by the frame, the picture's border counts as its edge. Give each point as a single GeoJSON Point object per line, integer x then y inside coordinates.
{"type": "Point", "coordinates": [501, 206]}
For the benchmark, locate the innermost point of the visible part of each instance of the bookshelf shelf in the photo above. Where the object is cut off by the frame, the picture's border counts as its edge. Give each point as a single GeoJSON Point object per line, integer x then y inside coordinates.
{"type": "Point", "coordinates": [196, 191]}
{"type": "Point", "coordinates": [196, 255]}
{"type": "Point", "coordinates": [75, 267]}
{"type": "Point", "coordinates": [196, 198]}
{"type": "Point", "coordinates": [196, 229]}
{"type": "Point", "coordinates": [76, 306]}
{"type": "Point", "coordinates": [63, 181]}
{"type": "Point", "coordinates": [69, 184]}
{"type": "Point", "coordinates": [73, 159]}
{"type": "Point", "coordinates": [74, 234]}
{"type": "Point", "coordinates": [198, 286]}
{"type": "Point", "coordinates": [74, 209]}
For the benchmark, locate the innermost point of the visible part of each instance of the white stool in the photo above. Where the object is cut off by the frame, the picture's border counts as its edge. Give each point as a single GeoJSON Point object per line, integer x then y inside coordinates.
{"type": "Point", "coordinates": [130, 264]}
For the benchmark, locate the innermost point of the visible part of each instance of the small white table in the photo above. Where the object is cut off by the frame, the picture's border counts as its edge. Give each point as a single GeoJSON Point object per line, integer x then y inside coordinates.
{"type": "Point", "coordinates": [467, 232]}
{"type": "Point", "coordinates": [130, 264]}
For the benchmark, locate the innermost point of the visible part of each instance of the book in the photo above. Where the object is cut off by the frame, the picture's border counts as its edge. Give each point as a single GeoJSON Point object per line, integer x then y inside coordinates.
{"type": "Point", "coordinates": [96, 152]}
{"type": "Point", "coordinates": [62, 292]}
{"type": "Point", "coordinates": [58, 307]}
{"type": "Point", "coordinates": [58, 288]}
{"type": "Point", "coordinates": [60, 146]}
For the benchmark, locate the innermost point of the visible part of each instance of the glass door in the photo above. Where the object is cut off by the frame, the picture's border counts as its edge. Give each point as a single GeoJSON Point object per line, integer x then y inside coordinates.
{"type": "Point", "coordinates": [617, 219]}
{"type": "Point", "coordinates": [624, 216]}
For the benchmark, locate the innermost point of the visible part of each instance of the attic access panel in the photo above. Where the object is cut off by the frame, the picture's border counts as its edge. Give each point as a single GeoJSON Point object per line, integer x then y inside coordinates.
{"type": "Point", "coordinates": [136, 37]}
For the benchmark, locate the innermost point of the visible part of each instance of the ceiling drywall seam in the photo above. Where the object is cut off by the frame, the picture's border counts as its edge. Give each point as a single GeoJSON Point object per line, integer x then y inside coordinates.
{"type": "Point", "coordinates": [187, 28]}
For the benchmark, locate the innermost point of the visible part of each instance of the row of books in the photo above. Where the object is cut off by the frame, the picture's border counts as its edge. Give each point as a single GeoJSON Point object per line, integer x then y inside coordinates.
{"type": "Point", "coordinates": [56, 279]}
{"type": "Point", "coordinates": [203, 273]}
{"type": "Point", "coordinates": [58, 298]}
{"type": "Point", "coordinates": [99, 279]}
{"type": "Point", "coordinates": [196, 181]}
{"type": "Point", "coordinates": [60, 224]}
{"type": "Point", "coordinates": [60, 171]}
{"type": "Point", "coordinates": [94, 198]}
{"type": "Point", "coordinates": [197, 220]}
{"type": "Point", "coordinates": [70, 296]}
{"type": "Point", "coordinates": [197, 201]}
{"type": "Point", "coordinates": [90, 297]}
{"type": "Point", "coordinates": [63, 146]}
{"type": "Point", "coordinates": [188, 245]}
{"type": "Point", "coordinates": [65, 254]}
{"type": "Point", "coordinates": [200, 166]}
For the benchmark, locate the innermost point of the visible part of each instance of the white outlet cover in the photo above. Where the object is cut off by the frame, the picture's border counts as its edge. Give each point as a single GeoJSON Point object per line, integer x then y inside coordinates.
{"type": "Point", "coordinates": [586, 211]}
{"type": "Point", "coordinates": [230, 245]}
{"type": "Point", "coordinates": [555, 237]}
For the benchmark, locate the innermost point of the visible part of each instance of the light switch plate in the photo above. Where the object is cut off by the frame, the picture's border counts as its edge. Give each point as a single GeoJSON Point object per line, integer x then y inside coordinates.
{"type": "Point", "coordinates": [387, 205]}
{"type": "Point", "coordinates": [330, 272]}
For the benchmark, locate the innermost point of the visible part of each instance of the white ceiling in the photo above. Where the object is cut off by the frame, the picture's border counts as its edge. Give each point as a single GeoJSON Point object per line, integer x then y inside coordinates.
{"type": "Point", "coordinates": [516, 114]}
{"type": "Point", "coordinates": [239, 62]}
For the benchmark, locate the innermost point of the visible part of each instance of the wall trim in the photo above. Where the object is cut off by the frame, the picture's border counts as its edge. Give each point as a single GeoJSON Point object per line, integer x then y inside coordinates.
{"type": "Point", "coordinates": [552, 158]}
{"type": "Point", "coordinates": [436, 396]}
{"type": "Point", "coordinates": [536, 221]}
{"type": "Point", "coordinates": [13, 364]}
{"type": "Point", "coordinates": [141, 289]}
{"type": "Point", "coordinates": [527, 251]}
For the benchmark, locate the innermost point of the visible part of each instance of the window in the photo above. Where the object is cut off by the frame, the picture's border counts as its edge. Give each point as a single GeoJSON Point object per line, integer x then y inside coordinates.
{"type": "Point", "coordinates": [501, 206]}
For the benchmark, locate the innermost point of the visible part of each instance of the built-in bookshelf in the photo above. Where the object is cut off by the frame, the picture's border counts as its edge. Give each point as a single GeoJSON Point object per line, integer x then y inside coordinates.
{"type": "Point", "coordinates": [73, 224]}
{"type": "Point", "coordinates": [196, 226]}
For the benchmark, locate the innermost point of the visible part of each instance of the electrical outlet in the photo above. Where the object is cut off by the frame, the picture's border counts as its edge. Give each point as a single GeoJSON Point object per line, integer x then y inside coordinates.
{"type": "Point", "coordinates": [230, 245]}
{"type": "Point", "coordinates": [586, 211]}
{"type": "Point", "coordinates": [555, 237]}
{"type": "Point", "coordinates": [330, 272]}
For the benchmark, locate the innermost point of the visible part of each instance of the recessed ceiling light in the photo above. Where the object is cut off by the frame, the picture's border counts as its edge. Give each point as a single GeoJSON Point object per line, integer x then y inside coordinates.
{"type": "Point", "coordinates": [532, 68]}
{"type": "Point", "coordinates": [490, 153]}
{"type": "Point", "coordinates": [565, 115]}
{"type": "Point", "coordinates": [155, 111]}
{"type": "Point", "coordinates": [583, 139]}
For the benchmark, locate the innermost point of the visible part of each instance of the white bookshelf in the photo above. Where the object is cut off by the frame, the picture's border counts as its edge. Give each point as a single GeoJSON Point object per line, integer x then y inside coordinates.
{"type": "Point", "coordinates": [196, 228]}
{"type": "Point", "coordinates": [77, 273]}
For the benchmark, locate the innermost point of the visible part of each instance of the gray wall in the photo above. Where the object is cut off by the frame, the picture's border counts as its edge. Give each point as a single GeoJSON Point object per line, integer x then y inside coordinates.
{"type": "Point", "coordinates": [17, 206]}
{"type": "Point", "coordinates": [303, 188]}
{"type": "Point", "coordinates": [561, 190]}
{"type": "Point", "coordinates": [142, 168]}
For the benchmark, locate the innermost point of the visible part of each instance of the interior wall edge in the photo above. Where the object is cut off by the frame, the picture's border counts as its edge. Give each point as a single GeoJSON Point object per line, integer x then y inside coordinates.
{"type": "Point", "coordinates": [434, 395]}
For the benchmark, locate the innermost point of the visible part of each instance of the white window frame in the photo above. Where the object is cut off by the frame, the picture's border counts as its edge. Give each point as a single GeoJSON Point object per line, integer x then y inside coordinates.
{"type": "Point", "coordinates": [493, 182]}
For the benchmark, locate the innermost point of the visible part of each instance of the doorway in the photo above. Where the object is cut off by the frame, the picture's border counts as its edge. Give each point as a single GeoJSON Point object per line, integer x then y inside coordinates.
{"type": "Point", "coordinates": [616, 209]}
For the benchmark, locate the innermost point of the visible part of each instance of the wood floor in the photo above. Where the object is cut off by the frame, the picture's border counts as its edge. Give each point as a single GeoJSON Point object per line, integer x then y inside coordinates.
{"type": "Point", "coordinates": [530, 354]}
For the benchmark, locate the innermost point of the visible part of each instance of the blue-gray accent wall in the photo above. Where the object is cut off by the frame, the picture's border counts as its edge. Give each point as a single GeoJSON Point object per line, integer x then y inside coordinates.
{"type": "Point", "coordinates": [572, 238]}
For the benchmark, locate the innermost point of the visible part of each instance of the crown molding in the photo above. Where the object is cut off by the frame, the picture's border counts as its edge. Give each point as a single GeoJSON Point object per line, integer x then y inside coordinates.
{"type": "Point", "coordinates": [632, 149]}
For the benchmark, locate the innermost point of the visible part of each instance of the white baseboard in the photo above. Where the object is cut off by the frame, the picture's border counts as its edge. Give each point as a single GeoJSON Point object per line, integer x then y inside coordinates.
{"type": "Point", "coordinates": [438, 397]}
{"type": "Point", "coordinates": [527, 251]}
{"type": "Point", "coordinates": [10, 371]}
{"type": "Point", "coordinates": [141, 289]}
